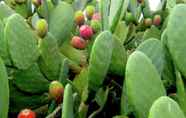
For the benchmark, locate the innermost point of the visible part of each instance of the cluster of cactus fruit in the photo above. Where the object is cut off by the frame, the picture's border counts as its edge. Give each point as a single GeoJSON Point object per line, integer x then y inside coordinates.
{"type": "Point", "coordinates": [95, 59]}
{"type": "Point", "coordinates": [86, 30]}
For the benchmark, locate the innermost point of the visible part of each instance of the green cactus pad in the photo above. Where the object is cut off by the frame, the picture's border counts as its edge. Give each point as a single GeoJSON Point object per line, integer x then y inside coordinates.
{"type": "Point", "coordinates": [61, 20]}
{"type": "Point", "coordinates": [154, 50]}
{"type": "Point", "coordinates": [3, 46]}
{"type": "Point", "coordinates": [5, 11]}
{"type": "Point", "coordinates": [100, 59]}
{"type": "Point", "coordinates": [165, 107]}
{"type": "Point", "coordinates": [67, 111]}
{"type": "Point", "coordinates": [78, 56]}
{"type": "Point", "coordinates": [19, 100]}
{"type": "Point", "coordinates": [50, 58]}
{"type": "Point", "coordinates": [176, 38]}
{"type": "Point", "coordinates": [4, 91]}
{"type": "Point", "coordinates": [119, 58]}
{"type": "Point", "coordinates": [143, 83]}
{"type": "Point", "coordinates": [80, 81]}
{"type": "Point", "coordinates": [22, 42]}
{"type": "Point", "coordinates": [31, 80]}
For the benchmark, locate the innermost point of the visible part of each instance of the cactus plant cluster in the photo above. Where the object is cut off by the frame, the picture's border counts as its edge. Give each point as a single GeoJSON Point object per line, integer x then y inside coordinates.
{"type": "Point", "coordinates": [92, 59]}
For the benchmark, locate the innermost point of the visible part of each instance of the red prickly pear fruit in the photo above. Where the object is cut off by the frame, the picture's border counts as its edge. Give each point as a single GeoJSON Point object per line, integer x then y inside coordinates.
{"type": "Point", "coordinates": [78, 42]}
{"type": "Point", "coordinates": [79, 17]}
{"type": "Point", "coordinates": [37, 3]}
{"type": "Point", "coordinates": [42, 27]}
{"type": "Point", "coordinates": [157, 20]}
{"type": "Point", "coordinates": [89, 11]}
{"type": "Point", "coordinates": [96, 25]}
{"type": "Point", "coordinates": [96, 16]}
{"type": "Point", "coordinates": [86, 31]}
{"type": "Point", "coordinates": [26, 113]}
{"type": "Point", "coordinates": [148, 22]}
{"type": "Point", "coordinates": [56, 90]}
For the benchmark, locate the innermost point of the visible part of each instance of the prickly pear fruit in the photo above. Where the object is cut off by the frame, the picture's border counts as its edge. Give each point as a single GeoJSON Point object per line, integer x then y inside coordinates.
{"type": "Point", "coordinates": [89, 11]}
{"type": "Point", "coordinates": [148, 22]}
{"type": "Point", "coordinates": [79, 17]}
{"type": "Point", "coordinates": [96, 16]}
{"type": "Point", "coordinates": [157, 20]}
{"type": "Point", "coordinates": [86, 31]}
{"type": "Point", "coordinates": [96, 25]}
{"type": "Point", "coordinates": [26, 113]}
{"type": "Point", "coordinates": [78, 42]}
{"type": "Point", "coordinates": [56, 90]}
{"type": "Point", "coordinates": [37, 3]}
{"type": "Point", "coordinates": [42, 27]}
{"type": "Point", "coordinates": [129, 17]}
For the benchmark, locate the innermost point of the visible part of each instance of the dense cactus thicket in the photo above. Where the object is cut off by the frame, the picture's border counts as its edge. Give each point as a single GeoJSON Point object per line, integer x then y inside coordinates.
{"type": "Point", "coordinates": [92, 59]}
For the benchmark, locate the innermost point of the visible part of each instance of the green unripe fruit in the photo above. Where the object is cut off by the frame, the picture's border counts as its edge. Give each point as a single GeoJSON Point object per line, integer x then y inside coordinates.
{"type": "Point", "coordinates": [148, 22]}
{"type": "Point", "coordinates": [96, 25]}
{"type": "Point", "coordinates": [79, 17]}
{"type": "Point", "coordinates": [42, 27]}
{"type": "Point", "coordinates": [129, 17]}
{"type": "Point", "coordinates": [90, 11]}
{"type": "Point", "coordinates": [56, 90]}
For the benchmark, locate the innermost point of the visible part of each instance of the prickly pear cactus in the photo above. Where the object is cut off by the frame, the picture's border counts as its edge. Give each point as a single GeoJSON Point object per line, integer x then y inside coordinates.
{"type": "Point", "coordinates": [67, 111]}
{"type": "Point", "coordinates": [79, 58]}
{"type": "Point", "coordinates": [4, 91]}
{"type": "Point", "coordinates": [23, 78]}
{"type": "Point", "coordinates": [119, 58]}
{"type": "Point", "coordinates": [5, 11]}
{"type": "Point", "coordinates": [138, 78]}
{"type": "Point", "coordinates": [50, 58]}
{"type": "Point", "coordinates": [157, 57]}
{"type": "Point", "coordinates": [100, 60]}
{"type": "Point", "coordinates": [62, 17]}
{"type": "Point", "coordinates": [165, 107]}
{"type": "Point", "coordinates": [22, 45]}
{"type": "Point", "coordinates": [176, 39]}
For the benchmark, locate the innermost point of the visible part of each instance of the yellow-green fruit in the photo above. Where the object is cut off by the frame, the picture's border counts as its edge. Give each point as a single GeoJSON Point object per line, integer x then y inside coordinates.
{"type": "Point", "coordinates": [96, 25]}
{"type": "Point", "coordinates": [90, 10]}
{"type": "Point", "coordinates": [56, 90]}
{"type": "Point", "coordinates": [42, 27]}
{"type": "Point", "coordinates": [79, 17]}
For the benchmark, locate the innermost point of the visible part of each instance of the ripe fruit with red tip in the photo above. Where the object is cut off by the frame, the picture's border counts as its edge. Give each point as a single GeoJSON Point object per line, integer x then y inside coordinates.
{"type": "Point", "coordinates": [78, 42]}
{"type": "Point", "coordinates": [37, 3]}
{"type": "Point", "coordinates": [79, 17]}
{"type": "Point", "coordinates": [96, 25]}
{"type": "Point", "coordinates": [86, 31]}
{"type": "Point", "coordinates": [56, 90]}
{"type": "Point", "coordinates": [42, 27]}
{"type": "Point", "coordinates": [26, 113]}
{"type": "Point", "coordinates": [148, 22]}
{"type": "Point", "coordinates": [90, 11]}
{"type": "Point", "coordinates": [157, 20]}
{"type": "Point", "coordinates": [96, 16]}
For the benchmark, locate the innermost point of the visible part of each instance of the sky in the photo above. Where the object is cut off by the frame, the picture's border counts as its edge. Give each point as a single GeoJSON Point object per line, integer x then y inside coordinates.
{"type": "Point", "coordinates": [154, 4]}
